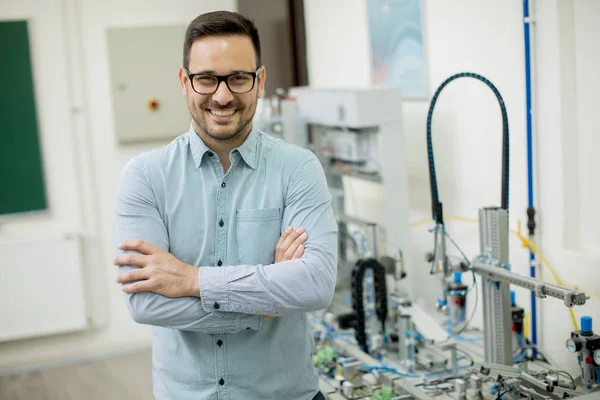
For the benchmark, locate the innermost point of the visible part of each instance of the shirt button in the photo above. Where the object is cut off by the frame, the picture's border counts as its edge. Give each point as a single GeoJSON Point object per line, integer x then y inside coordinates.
{"type": "Point", "coordinates": [221, 223]}
{"type": "Point", "coordinates": [223, 184]}
{"type": "Point", "coordinates": [210, 154]}
{"type": "Point", "coordinates": [216, 306]}
{"type": "Point", "coordinates": [220, 342]}
{"type": "Point", "coordinates": [219, 263]}
{"type": "Point", "coordinates": [221, 382]}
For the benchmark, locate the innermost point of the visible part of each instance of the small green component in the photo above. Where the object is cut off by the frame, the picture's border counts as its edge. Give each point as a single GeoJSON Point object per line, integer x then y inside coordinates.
{"type": "Point", "coordinates": [329, 353]}
{"type": "Point", "coordinates": [384, 393]}
{"type": "Point", "coordinates": [323, 355]}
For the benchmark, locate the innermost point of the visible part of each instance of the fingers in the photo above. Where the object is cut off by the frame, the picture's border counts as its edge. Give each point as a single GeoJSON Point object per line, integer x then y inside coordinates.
{"type": "Point", "coordinates": [287, 242]}
{"type": "Point", "coordinates": [134, 275]}
{"type": "Point", "coordinates": [284, 235]}
{"type": "Point", "coordinates": [290, 238]}
{"type": "Point", "coordinates": [283, 251]}
{"type": "Point", "coordinates": [299, 252]}
{"type": "Point", "coordinates": [293, 248]}
{"type": "Point", "coordinates": [278, 249]}
{"type": "Point", "coordinates": [141, 286]}
{"type": "Point", "coordinates": [135, 259]}
{"type": "Point", "coordinates": [139, 245]}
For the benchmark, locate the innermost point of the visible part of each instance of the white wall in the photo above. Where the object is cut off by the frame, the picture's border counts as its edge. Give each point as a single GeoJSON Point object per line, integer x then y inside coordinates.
{"type": "Point", "coordinates": [587, 82]}
{"type": "Point", "coordinates": [487, 38]}
{"type": "Point", "coordinates": [81, 156]}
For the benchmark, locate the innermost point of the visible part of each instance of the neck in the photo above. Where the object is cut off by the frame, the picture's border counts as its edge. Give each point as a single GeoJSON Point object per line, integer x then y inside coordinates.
{"type": "Point", "coordinates": [224, 147]}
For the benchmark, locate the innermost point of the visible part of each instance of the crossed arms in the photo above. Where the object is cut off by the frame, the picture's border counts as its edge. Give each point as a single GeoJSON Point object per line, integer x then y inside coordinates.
{"type": "Point", "coordinates": [164, 291]}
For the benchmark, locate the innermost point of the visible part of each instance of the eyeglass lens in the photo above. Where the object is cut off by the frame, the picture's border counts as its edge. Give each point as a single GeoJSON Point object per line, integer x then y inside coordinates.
{"type": "Point", "coordinates": [237, 83]}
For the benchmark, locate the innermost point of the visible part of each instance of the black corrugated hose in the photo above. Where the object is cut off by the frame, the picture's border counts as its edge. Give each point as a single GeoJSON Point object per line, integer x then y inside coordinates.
{"type": "Point", "coordinates": [436, 205]}
{"type": "Point", "coordinates": [358, 276]}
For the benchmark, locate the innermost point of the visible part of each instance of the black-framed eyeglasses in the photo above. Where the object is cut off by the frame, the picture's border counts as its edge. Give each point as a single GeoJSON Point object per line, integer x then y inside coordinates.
{"type": "Point", "coordinates": [238, 82]}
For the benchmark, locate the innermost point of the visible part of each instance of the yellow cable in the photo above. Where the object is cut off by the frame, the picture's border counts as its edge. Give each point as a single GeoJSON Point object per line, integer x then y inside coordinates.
{"type": "Point", "coordinates": [526, 243]}
{"type": "Point", "coordinates": [419, 223]}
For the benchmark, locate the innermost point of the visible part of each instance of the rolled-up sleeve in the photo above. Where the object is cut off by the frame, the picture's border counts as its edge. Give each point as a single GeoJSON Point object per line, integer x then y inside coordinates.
{"type": "Point", "coordinates": [138, 217]}
{"type": "Point", "coordinates": [301, 285]}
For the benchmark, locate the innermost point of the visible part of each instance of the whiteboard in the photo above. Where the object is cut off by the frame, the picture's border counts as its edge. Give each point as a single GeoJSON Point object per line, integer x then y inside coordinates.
{"type": "Point", "coordinates": [41, 288]}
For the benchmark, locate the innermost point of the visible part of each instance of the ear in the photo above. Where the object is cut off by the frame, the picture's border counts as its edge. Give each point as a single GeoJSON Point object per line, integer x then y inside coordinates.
{"type": "Point", "coordinates": [183, 80]}
{"type": "Point", "coordinates": [262, 77]}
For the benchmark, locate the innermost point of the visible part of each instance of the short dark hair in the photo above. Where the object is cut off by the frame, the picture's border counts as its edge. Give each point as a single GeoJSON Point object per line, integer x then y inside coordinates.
{"type": "Point", "coordinates": [220, 23]}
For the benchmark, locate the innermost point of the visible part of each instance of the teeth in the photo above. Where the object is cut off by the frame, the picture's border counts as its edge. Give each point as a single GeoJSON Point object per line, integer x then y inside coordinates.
{"type": "Point", "coordinates": [222, 113]}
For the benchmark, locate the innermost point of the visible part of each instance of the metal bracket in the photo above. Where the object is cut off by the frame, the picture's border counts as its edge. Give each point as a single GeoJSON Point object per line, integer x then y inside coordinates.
{"type": "Point", "coordinates": [539, 290]}
{"type": "Point", "coordinates": [572, 299]}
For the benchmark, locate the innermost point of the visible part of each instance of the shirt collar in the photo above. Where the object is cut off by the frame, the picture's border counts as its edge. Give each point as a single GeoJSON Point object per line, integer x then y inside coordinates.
{"type": "Point", "coordinates": [247, 150]}
{"type": "Point", "coordinates": [197, 146]}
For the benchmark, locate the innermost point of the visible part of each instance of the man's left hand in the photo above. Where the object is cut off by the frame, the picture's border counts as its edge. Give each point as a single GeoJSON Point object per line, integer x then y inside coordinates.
{"type": "Point", "coordinates": [160, 271]}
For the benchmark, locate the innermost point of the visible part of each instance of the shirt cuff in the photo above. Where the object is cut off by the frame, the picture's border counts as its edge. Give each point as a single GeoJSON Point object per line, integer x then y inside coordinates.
{"type": "Point", "coordinates": [213, 289]}
{"type": "Point", "coordinates": [251, 322]}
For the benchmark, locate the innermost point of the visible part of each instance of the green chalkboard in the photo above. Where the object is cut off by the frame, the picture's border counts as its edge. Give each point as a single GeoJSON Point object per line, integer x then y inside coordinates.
{"type": "Point", "coordinates": [21, 173]}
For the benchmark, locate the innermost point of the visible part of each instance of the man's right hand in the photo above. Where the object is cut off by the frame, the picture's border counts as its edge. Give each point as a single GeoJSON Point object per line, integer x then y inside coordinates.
{"type": "Point", "coordinates": [289, 247]}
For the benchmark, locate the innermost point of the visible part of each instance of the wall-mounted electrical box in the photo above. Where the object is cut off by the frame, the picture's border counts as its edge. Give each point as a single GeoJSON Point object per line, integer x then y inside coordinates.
{"type": "Point", "coordinates": [146, 95]}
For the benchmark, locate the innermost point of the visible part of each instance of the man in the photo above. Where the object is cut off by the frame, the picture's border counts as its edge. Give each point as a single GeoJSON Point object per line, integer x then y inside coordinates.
{"type": "Point", "coordinates": [198, 223]}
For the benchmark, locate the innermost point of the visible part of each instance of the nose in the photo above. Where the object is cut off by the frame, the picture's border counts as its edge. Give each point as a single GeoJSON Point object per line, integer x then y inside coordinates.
{"type": "Point", "coordinates": [222, 95]}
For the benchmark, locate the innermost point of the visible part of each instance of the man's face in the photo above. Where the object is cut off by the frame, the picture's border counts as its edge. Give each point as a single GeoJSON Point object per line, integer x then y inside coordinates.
{"type": "Point", "coordinates": [222, 115]}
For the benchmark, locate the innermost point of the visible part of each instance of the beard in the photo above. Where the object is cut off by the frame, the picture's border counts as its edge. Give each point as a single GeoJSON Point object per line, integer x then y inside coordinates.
{"type": "Point", "coordinates": [223, 133]}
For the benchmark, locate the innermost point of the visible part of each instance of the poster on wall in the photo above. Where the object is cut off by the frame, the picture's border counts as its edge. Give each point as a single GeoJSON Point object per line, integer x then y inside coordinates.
{"type": "Point", "coordinates": [397, 51]}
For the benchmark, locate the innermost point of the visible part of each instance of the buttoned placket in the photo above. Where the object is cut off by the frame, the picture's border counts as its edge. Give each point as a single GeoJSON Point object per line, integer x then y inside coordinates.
{"type": "Point", "coordinates": [219, 260]}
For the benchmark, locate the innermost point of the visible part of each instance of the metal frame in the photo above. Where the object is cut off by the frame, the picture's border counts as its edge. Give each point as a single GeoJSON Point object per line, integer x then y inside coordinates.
{"type": "Point", "coordinates": [440, 261]}
{"type": "Point", "coordinates": [569, 296]}
{"type": "Point", "coordinates": [492, 265]}
{"type": "Point", "coordinates": [493, 230]}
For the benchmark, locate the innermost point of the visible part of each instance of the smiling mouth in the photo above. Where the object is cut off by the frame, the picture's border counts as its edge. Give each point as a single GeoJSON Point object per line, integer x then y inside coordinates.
{"type": "Point", "coordinates": [222, 113]}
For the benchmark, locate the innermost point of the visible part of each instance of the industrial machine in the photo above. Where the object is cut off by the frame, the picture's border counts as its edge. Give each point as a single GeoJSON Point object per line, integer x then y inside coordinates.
{"type": "Point", "coordinates": [357, 136]}
{"type": "Point", "coordinates": [425, 361]}
{"type": "Point", "coordinates": [376, 341]}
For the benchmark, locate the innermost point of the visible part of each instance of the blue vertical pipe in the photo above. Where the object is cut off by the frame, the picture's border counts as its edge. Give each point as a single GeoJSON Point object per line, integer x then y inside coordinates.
{"type": "Point", "coordinates": [529, 157]}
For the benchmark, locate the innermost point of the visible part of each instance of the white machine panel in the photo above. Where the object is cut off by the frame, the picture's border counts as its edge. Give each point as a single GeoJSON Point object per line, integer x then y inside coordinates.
{"type": "Point", "coordinates": [353, 108]}
{"type": "Point", "coordinates": [147, 100]}
{"type": "Point", "coordinates": [425, 324]}
{"type": "Point", "coordinates": [364, 199]}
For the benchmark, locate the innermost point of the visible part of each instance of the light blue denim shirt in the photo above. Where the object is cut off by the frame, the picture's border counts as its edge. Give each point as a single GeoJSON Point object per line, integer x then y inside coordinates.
{"type": "Point", "coordinates": [218, 347]}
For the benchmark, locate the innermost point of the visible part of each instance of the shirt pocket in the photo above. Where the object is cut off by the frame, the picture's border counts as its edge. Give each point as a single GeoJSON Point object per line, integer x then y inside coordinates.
{"type": "Point", "coordinates": [257, 233]}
